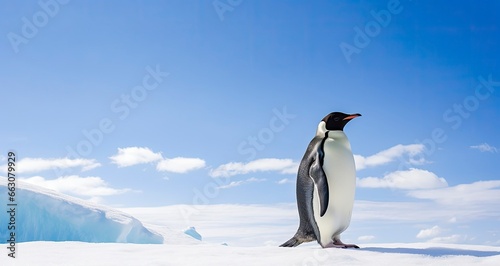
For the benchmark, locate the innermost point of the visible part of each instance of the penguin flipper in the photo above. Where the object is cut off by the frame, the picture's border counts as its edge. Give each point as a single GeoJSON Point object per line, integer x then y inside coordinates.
{"type": "Point", "coordinates": [318, 175]}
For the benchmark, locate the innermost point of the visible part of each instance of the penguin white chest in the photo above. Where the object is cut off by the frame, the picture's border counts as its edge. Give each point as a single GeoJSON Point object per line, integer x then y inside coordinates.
{"type": "Point", "coordinates": [338, 165]}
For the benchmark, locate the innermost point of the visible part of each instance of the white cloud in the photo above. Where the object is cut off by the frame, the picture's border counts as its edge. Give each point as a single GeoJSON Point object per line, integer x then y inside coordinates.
{"type": "Point", "coordinates": [431, 232]}
{"type": "Point", "coordinates": [284, 166]}
{"type": "Point", "coordinates": [463, 203]}
{"type": "Point", "coordinates": [407, 179]}
{"type": "Point", "coordinates": [366, 238]}
{"type": "Point", "coordinates": [285, 181]}
{"type": "Point", "coordinates": [134, 155]}
{"type": "Point", "coordinates": [180, 164]}
{"type": "Point", "coordinates": [288, 166]}
{"type": "Point", "coordinates": [448, 239]}
{"type": "Point", "coordinates": [242, 182]}
{"type": "Point", "coordinates": [92, 186]}
{"type": "Point", "coordinates": [139, 155]}
{"type": "Point", "coordinates": [390, 155]}
{"type": "Point", "coordinates": [465, 195]}
{"type": "Point", "coordinates": [485, 147]}
{"type": "Point", "coordinates": [32, 165]}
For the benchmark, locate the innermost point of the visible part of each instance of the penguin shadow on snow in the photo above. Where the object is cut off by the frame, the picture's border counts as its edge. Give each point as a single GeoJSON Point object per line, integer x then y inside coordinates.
{"type": "Point", "coordinates": [434, 251]}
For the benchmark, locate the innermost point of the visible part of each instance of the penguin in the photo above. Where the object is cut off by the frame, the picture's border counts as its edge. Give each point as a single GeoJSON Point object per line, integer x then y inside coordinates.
{"type": "Point", "coordinates": [326, 183]}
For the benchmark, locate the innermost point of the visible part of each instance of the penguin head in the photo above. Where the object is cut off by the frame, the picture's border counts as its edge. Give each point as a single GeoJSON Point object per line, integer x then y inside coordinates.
{"type": "Point", "coordinates": [337, 120]}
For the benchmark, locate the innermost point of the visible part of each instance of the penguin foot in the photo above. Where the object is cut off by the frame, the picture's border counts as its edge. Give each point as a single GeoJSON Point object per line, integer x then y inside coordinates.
{"type": "Point", "coordinates": [293, 242]}
{"type": "Point", "coordinates": [339, 244]}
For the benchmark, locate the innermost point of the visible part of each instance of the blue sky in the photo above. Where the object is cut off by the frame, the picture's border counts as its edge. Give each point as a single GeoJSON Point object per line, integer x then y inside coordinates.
{"type": "Point", "coordinates": [179, 102]}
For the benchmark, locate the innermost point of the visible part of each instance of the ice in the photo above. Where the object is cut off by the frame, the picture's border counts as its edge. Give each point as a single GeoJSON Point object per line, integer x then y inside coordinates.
{"type": "Point", "coordinates": [45, 215]}
{"type": "Point", "coordinates": [191, 231]}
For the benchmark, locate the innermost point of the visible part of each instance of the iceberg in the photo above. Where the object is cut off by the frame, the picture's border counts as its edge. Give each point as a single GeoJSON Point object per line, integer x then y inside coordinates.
{"type": "Point", "coordinates": [45, 215]}
{"type": "Point", "coordinates": [191, 231]}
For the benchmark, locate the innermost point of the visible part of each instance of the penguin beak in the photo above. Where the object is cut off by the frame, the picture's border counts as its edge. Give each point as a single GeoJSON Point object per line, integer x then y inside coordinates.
{"type": "Point", "coordinates": [351, 116]}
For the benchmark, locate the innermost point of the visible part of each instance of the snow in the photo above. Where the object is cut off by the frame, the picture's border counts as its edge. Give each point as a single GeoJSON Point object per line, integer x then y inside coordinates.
{"type": "Point", "coordinates": [252, 234]}
{"type": "Point", "coordinates": [79, 253]}
{"type": "Point", "coordinates": [45, 215]}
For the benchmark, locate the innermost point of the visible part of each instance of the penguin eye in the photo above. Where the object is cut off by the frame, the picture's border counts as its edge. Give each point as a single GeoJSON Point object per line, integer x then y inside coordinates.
{"type": "Point", "coordinates": [336, 119]}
